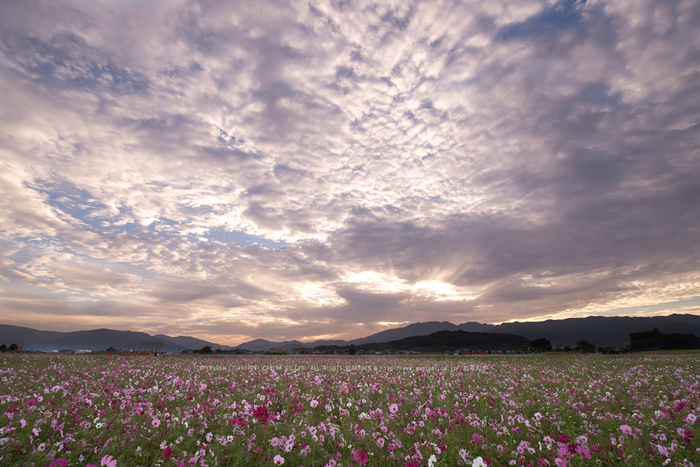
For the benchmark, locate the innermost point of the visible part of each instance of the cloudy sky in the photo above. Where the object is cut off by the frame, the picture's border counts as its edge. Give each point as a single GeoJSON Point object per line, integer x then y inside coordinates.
{"type": "Point", "coordinates": [331, 169]}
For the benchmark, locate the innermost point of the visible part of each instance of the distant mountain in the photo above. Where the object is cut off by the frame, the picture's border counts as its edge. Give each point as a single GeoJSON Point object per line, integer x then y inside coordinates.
{"type": "Point", "coordinates": [96, 339]}
{"type": "Point", "coordinates": [262, 344]}
{"type": "Point", "coordinates": [19, 335]}
{"type": "Point", "coordinates": [415, 329]}
{"type": "Point", "coordinates": [187, 342]}
{"type": "Point", "coordinates": [452, 340]}
{"type": "Point", "coordinates": [599, 330]}
{"type": "Point", "coordinates": [99, 339]}
{"type": "Point", "coordinates": [473, 326]}
{"type": "Point", "coordinates": [338, 342]}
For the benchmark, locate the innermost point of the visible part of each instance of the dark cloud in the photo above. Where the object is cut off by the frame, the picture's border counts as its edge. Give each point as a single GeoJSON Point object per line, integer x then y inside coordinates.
{"type": "Point", "coordinates": [183, 291]}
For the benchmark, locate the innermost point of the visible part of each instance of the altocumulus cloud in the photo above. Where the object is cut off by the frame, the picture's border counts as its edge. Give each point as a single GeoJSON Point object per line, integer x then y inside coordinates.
{"type": "Point", "coordinates": [295, 170]}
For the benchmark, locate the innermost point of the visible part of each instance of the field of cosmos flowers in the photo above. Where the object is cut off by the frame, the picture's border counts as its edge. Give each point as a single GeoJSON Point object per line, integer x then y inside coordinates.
{"type": "Point", "coordinates": [171, 410]}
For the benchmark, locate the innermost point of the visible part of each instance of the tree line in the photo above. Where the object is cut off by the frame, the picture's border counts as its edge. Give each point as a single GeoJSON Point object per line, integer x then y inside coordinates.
{"type": "Point", "coordinates": [656, 340]}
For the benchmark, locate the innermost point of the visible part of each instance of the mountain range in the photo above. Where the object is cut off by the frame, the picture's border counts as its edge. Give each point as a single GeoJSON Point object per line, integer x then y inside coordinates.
{"type": "Point", "coordinates": [97, 339]}
{"type": "Point", "coordinates": [600, 331]}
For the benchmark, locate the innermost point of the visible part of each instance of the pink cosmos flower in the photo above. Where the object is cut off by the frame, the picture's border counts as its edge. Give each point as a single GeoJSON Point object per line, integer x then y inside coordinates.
{"type": "Point", "coordinates": [278, 460]}
{"type": "Point", "coordinates": [314, 404]}
{"type": "Point", "coordinates": [108, 461]}
{"type": "Point", "coordinates": [155, 423]}
{"type": "Point", "coordinates": [360, 457]}
{"type": "Point", "coordinates": [167, 453]}
{"type": "Point", "coordinates": [59, 463]}
{"type": "Point", "coordinates": [393, 408]}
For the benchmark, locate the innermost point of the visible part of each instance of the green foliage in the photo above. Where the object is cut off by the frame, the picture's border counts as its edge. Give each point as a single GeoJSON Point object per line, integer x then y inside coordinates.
{"type": "Point", "coordinates": [12, 348]}
{"type": "Point", "coordinates": [204, 350]}
{"type": "Point", "coordinates": [584, 346]}
{"type": "Point", "coordinates": [541, 345]}
{"type": "Point", "coordinates": [656, 340]}
{"type": "Point", "coordinates": [276, 352]}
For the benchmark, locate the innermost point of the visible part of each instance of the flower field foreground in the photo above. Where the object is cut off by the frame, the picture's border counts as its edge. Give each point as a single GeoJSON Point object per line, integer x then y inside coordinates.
{"type": "Point", "coordinates": [343, 410]}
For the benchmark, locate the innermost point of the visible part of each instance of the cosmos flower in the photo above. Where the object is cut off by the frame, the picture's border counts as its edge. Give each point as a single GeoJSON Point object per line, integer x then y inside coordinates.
{"type": "Point", "coordinates": [360, 457]}
{"type": "Point", "coordinates": [108, 461]}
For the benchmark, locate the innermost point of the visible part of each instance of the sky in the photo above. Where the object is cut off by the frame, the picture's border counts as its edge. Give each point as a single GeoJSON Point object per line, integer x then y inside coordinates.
{"type": "Point", "coordinates": [234, 170]}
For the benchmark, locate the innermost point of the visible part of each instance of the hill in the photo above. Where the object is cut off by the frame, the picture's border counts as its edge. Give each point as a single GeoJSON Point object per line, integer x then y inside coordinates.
{"type": "Point", "coordinates": [442, 341]}
{"type": "Point", "coordinates": [599, 330]}
{"type": "Point", "coordinates": [96, 339]}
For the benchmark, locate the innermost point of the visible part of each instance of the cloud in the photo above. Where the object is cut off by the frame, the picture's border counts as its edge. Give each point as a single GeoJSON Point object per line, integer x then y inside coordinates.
{"type": "Point", "coordinates": [303, 168]}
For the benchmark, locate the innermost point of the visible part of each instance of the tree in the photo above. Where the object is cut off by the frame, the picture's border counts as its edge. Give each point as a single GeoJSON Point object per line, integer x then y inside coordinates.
{"type": "Point", "coordinates": [204, 350]}
{"type": "Point", "coordinates": [3, 348]}
{"type": "Point", "coordinates": [656, 340]}
{"type": "Point", "coordinates": [584, 346]}
{"type": "Point", "coordinates": [541, 345]}
{"type": "Point", "coordinates": [567, 349]}
{"type": "Point", "coordinates": [12, 348]}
